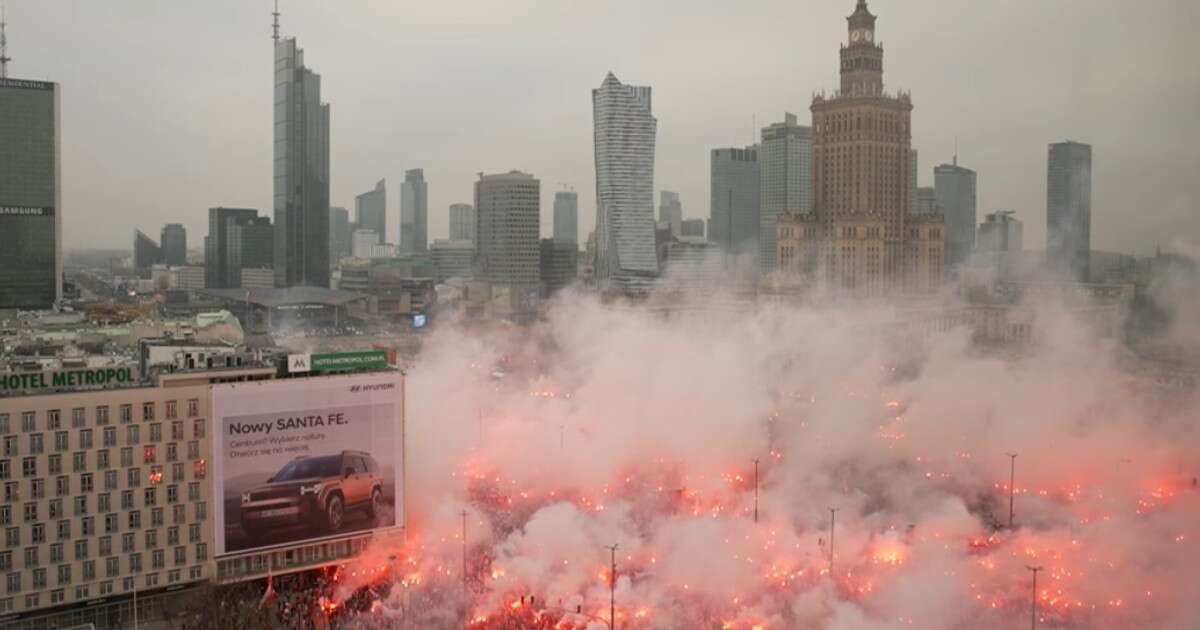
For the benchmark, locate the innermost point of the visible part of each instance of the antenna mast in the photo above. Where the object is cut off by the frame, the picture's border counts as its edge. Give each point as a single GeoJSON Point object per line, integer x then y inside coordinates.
{"type": "Point", "coordinates": [275, 24]}
{"type": "Point", "coordinates": [4, 58]}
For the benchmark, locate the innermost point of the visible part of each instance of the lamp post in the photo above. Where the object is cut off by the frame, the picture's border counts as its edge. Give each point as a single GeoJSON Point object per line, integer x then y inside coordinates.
{"type": "Point", "coordinates": [612, 589]}
{"type": "Point", "coordinates": [1012, 477]}
{"type": "Point", "coordinates": [756, 490]}
{"type": "Point", "coordinates": [1033, 607]}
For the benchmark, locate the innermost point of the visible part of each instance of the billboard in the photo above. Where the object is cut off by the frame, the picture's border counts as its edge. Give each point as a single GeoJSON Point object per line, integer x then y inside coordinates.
{"type": "Point", "coordinates": [297, 460]}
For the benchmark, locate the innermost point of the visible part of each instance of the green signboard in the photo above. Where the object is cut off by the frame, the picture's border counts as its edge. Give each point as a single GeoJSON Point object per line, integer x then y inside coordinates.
{"type": "Point", "coordinates": [362, 360]}
{"type": "Point", "coordinates": [66, 379]}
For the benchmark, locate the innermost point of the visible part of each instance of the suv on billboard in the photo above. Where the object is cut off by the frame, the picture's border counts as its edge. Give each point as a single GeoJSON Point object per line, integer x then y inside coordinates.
{"type": "Point", "coordinates": [314, 491]}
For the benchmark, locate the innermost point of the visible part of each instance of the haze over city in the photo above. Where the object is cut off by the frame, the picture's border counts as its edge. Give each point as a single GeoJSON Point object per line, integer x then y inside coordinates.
{"type": "Point", "coordinates": [169, 105]}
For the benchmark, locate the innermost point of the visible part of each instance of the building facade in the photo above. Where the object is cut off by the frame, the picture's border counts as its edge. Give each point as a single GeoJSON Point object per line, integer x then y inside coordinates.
{"type": "Point", "coordinates": [785, 180]}
{"type": "Point", "coordinates": [734, 194]}
{"type": "Point", "coordinates": [692, 228]}
{"type": "Point", "coordinates": [954, 188]}
{"type": "Point", "coordinates": [146, 253]}
{"type": "Point", "coordinates": [339, 233]}
{"type": "Point", "coordinates": [559, 265]}
{"type": "Point", "coordinates": [862, 175]}
{"type": "Point", "coordinates": [30, 195]}
{"type": "Point", "coordinates": [221, 273]}
{"type": "Point", "coordinates": [507, 214]}
{"type": "Point", "coordinates": [624, 131]}
{"type": "Point", "coordinates": [1069, 209]}
{"type": "Point", "coordinates": [452, 259]}
{"type": "Point", "coordinates": [301, 179]}
{"type": "Point", "coordinates": [173, 242]}
{"type": "Point", "coordinates": [1000, 232]}
{"type": "Point", "coordinates": [370, 210]}
{"type": "Point", "coordinates": [927, 201]}
{"type": "Point", "coordinates": [250, 246]}
{"type": "Point", "coordinates": [414, 213]}
{"type": "Point", "coordinates": [566, 217]}
{"type": "Point", "coordinates": [670, 210]}
{"type": "Point", "coordinates": [462, 222]}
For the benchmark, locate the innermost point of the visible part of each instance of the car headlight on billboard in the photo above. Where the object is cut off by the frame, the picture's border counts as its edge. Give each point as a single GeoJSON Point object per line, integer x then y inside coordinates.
{"type": "Point", "coordinates": [313, 489]}
{"type": "Point", "coordinates": [245, 497]}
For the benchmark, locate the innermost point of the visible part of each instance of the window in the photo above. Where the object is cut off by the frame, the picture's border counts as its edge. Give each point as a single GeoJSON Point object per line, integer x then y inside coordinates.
{"type": "Point", "coordinates": [193, 491]}
{"type": "Point", "coordinates": [194, 533]}
{"type": "Point", "coordinates": [37, 533]}
{"type": "Point", "coordinates": [106, 588]}
{"type": "Point", "coordinates": [31, 512]}
{"type": "Point", "coordinates": [12, 537]}
{"type": "Point", "coordinates": [5, 560]}
{"type": "Point", "coordinates": [127, 499]}
{"type": "Point", "coordinates": [4, 423]}
{"type": "Point", "coordinates": [10, 445]}
{"type": "Point", "coordinates": [56, 510]}
{"type": "Point", "coordinates": [172, 452]}
{"type": "Point", "coordinates": [81, 549]}
{"type": "Point", "coordinates": [151, 580]}
{"type": "Point", "coordinates": [28, 421]}
{"type": "Point", "coordinates": [201, 511]}
{"type": "Point", "coordinates": [198, 428]}
{"type": "Point", "coordinates": [64, 530]}
{"type": "Point", "coordinates": [156, 517]}
{"type": "Point", "coordinates": [14, 582]}
{"type": "Point", "coordinates": [12, 491]}
{"type": "Point", "coordinates": [133, 477]}
{"type": "Point", "coordinates": [89, 570]}
{"type": "Point", "coordinates": [126, 543]}
{"type": "Point", "coordinates": [156, 432]}
{"type": "Point", "coordinates": [151, 538]}
{"type": "Point", "coordinates": [193, 407]}
{"type": "Point", "coordinates": [86, 483]}
{"type": "Point", "coordinates": [110, 480]}
{"type": "Point", "coordinates": [64, 574]}
{"type": "Point", "coordinates": [5, 514]}
{"type": "Point", "coordinates": [156, 475]}
{"type": "Point", "coordinates": [172, 409]}
{"type": "Point", "coordinates": [81, 507]}
{"type": "Point", "coordinates": [193, 449]}
{"type": "Point", "coordinates": [110, 523]}
{"type": "Point", "coordinates": [88, 525]}
{"type": "Point", "coordinates": [135, 519]}
{"type": "Point", "coordinates": [104, 502]}
{"type": "Point", "coordinates": [31, 557]}
{"type": "Point", "coordinates": [148, 454]}
{"type": "Point", "coordinates": [36, 446]}
{"type": "Point", "coordinates": [201, 552]}
{"type": "Point", "coordinates": [61, 442]}
{"type": "Point", "coordinates": [112, 566]}
{"type": "Point", "coordinates": [102, 458]}
{"type": "Point", "coordinates": [78, 419]}
{"type": "Point", "coordinates": [199, 468]}
{"type": "Point", "coordinates": [133, 434]}
{"type": "Point", "coordinates": [195, 573]}
{"type": "Point", "coordinates": [177, 430]}
{"type": "Point", "coordinates": [56, 553]}
{"type": "Point", "coordinates": [29, 467]}
{"type": "Point", "coordinates": [172, 494]}
{"type": "Point", "coordinates": [81, 591]}
{"type": "Point", "coordinates": [53, 419]}
{"type": "Point", "coordinates": [5, 471]}
{"type": "Point", "coordinates": [158, 559]}
{"type": "Point", "coordinates": [109, 437]}
{"type": "Point", "coordinates": [135, 562]}
{"type": "Point", "coordinates": [178, 514]}
{"type": "Point", "coordinates": [85, 438]}
{"type": "Point", "coordinates": [147, 411]}
{"type": "Point", "coordinates": [174, 575]}
{"type": "Point", "coordinates": [126, 414]}
{"type": "Point", "coordinates": [102, 415]}
{"type": "Point", "coordinates": [150, 496]}
{"type": "Point", "coordinates": [177, 472]}
{"type": "Point", "coordinates": [78, 461]}
{"type": "Point", "coordinates": [126, 456]}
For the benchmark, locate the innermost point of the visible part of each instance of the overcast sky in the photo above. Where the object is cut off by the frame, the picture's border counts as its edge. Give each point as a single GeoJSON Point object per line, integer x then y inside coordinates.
{"type": "Point", "coordinates": [166, 106]}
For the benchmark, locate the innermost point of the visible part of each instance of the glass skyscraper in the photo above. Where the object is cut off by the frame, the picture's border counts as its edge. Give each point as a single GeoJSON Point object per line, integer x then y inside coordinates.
{"type": "Point", "coordinates": [30, 196]}
{"type": "Point", "coordinates": [624, 135]}
{"type": "Point", "coordinates": [566, 217]}
{"type": "Point", "coordinates": [1069, 208]}
{"type": "Point", "coordinates": [785, 169]}
{"type": "Point", "coordinates": [414, 213]}
{"type": "Point", "coordinates": [370, 211]}
{"type": "Point", "coordinates": [301, 172]}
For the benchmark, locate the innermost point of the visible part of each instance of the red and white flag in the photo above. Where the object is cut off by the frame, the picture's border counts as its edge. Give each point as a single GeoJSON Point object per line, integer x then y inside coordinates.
{"type": "Point", "coordinates": [269, 595]}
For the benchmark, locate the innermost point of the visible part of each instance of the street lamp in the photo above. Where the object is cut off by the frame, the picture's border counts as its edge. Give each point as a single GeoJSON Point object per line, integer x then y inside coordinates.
{"type": "Point", "coordinates": [1012, 477]}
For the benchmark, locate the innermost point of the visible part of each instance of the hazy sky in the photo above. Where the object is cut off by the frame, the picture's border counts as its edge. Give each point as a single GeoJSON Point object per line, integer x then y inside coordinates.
{"type": "Point", "coordinates": [166, 106]}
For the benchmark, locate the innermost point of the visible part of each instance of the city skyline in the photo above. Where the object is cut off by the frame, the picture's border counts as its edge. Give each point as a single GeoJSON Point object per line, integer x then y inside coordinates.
{"type": "Point", "coordinates": [1140, 162]}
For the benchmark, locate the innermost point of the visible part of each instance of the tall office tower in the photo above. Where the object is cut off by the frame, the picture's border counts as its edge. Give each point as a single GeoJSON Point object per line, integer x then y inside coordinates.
{"type": "Point", "coordinates": [1000, 232]}
{"type": "Point", "coordinates": [30, 195]}
{"type": "Point", "coordinates": [250, 245]}
{"type": "Point", "coordinates": [301, 171]}
{"type": "Point", "coordinates": [507, 215]}
{"type": "Point", "coordinates": [146, 253]}
{"type": "Point", "coordinates": [670, 210]}
{"type": "Point", "coordinates": [370, 210]}
{"type": "Point", "coordinates": [462, 222]}
{"type": "Point", "coordinates": [414, 213]}
{"type": "Point", "coordinates": [1069, 208]}
{"type": "Point", "coordinates": [566, 217]}
{"type": "Point", "coordinates": [954, 187]}
{"type": "Point", "coordinates": [785, 180]}
{"type": "Point", "coordinates": [339, 233]}
{"type": "Point", "coordinates": [862, 149]}
{"type": "Point", "coordinates": [927, 201]}
{"type": "Point", "coordinates": [173, 241]}
{"type": "Point", "coordinates": [692, 227]}
{"type": "Point", "coordinates": [624, 128]}
{"type": "Point", "coordinates": [218, 273]}
{"type": "Point", "coordinates": [734, 200]}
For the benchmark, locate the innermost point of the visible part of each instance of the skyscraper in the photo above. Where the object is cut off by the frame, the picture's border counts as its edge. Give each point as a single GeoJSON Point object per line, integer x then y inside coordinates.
{"type": "Point", "coordinates": [734, 195]}
{"type": "Point", "coordinates": [339, 233]}
{"type": "Point", "coordinates": [414, 213]}
{"type": "Point", "coordinates": [1069, 208]}
{"type": "Point", "coordinates": [785, 176]}
{"type": "Point", "coordinates": [462, 222]}
{"type": "Point", "coordinates": [370, 210]}
{"type": "Point", "coordinates": [301, 171]}
{"type": "Point", "coordinates": [624, 130]}
{"type": "Point", "coordinates": [219, 272]}
{"type": "Point", "coordinates": [30, 195]}
{"type": "Point", "coordinates": [146, 253]}
{"type": "Point", "coordinates": [507, 215]}
{"type": "Point", "coordinates": [670, 210]}
{"type": "Point", "coordinates": [250, 244]}
{"type": "Point", "coordinates": [173, 241]}
{"type": "Point", "coordinates": [954, 189]}
{"type": "Point", "coordinates": [927, 201]}
{"type": "Point", "coordinates": [566, 217]}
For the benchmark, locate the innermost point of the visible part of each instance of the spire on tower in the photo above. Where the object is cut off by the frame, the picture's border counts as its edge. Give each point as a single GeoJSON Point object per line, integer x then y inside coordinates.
{"type": "Point", "coordinates": [4, 58]}
{"type": "Point", "coordinates": [275, 24]}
